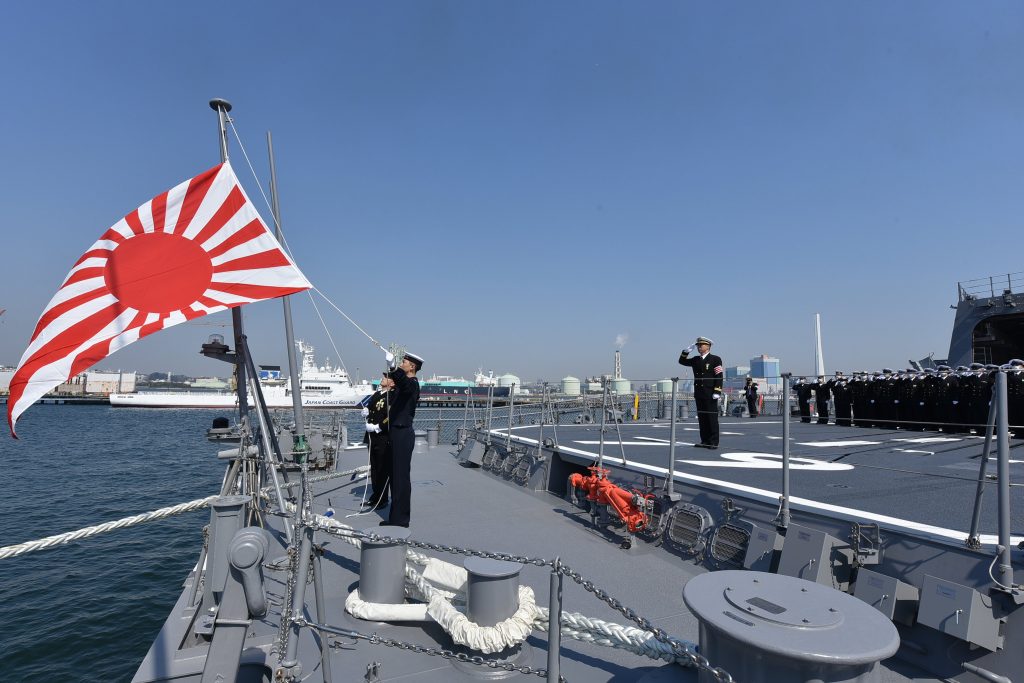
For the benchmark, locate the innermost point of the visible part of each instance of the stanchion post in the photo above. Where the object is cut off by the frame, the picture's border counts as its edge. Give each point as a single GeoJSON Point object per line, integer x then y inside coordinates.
{"type": "Point", "coordinates": [670, 474]}
{"type": "Point", "coordinates": [1003, 430]}
{"type": "Point", "coordinates": [555, 624]}
{"type": "Point", "coordinates": [784, 508]}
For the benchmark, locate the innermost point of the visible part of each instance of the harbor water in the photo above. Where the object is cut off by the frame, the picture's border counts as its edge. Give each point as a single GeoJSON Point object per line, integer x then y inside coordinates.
{"type": "Point", "coordinates": [88, 611]}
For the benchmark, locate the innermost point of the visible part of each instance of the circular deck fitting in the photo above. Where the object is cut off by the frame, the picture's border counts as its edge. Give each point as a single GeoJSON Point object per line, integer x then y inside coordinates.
{"type": "Point", "coordinates": [765, 627]}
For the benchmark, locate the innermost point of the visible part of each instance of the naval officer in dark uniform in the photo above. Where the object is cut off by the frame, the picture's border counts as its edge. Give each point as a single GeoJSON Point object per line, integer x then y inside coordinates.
{"type": "Point", "coordinates": [406, 394]}
{"type": "Point", "coordinates": [378, 428]}
{"type": "Point", "coordinates": [708, 374]}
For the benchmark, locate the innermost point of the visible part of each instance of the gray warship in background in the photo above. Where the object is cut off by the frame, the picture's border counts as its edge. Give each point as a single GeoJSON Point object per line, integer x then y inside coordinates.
{"type": "Point", "coordinates": [559, 540]}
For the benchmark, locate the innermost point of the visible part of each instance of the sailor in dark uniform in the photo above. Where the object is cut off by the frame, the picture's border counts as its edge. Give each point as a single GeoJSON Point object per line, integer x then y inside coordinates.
{"type": "Point", "coordinates": [403, 410]}
{"type": "Point", "coordinates": [857, 397]}
{"type": "Point", "coordinates": [950, 401]}
{"type": "Point", "coordinates": [822, 393]}
{"type": "Point", "coordinates": [750, 393]}
{"type": "Point", "coordinates": [803, 397]}
{"type": "Point", "coordinates": [1015, 396]}
{"type": "Point", "coordinates": [708, 374]}
{"type": "Point", "coordinates": [841, 399]}
{"type": "Point", "coordinates": [378, 438]}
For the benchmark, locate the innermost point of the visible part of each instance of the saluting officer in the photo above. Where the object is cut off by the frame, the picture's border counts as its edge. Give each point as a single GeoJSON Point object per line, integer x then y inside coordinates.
{"type": "Point", "coordinates": [822, 393]}
{"type": "Point", "coordinates": [707, 388]}
{"type": "Point", "coordinates": [803, 397]}
{"type": "Point", "coordinates": [403, 411]}
{"type": "Point", "coordinates": [841, 399]}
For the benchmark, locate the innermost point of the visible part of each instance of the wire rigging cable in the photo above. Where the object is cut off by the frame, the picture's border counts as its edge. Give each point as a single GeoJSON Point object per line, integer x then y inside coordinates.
{"type": "Point", "coordinates": [288, 250]}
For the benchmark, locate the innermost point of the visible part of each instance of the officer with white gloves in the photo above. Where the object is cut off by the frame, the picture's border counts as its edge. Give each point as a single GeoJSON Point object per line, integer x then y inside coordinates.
{"type": "Point", "coordinates": [708, 376]}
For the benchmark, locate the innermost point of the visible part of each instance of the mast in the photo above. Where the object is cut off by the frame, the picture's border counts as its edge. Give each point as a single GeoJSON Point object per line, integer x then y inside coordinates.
{"type": "Point", "coordinates": [293, 372]}
{"type": "Point", "coordinates": [819, 361]}
{"type": "Point", "coordinates": [222, 107]}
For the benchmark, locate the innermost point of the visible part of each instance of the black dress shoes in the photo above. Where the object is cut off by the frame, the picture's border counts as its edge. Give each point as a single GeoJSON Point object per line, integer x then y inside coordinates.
{"type": "Point", "coordinates": [385, 522]}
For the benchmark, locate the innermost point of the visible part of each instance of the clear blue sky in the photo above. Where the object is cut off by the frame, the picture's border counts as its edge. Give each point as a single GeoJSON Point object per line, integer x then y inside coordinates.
{"type": "Point", "coordinates": [514, 184]}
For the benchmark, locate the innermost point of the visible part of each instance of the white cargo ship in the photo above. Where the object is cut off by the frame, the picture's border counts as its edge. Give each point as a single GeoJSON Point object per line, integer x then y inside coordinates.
{"type": "Point", "coordinates": [322, 387]}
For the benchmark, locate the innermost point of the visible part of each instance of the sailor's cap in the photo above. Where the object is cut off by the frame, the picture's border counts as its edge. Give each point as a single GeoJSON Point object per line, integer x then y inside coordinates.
{"type": "Point", "coordinates": [1017, 362]}
{"type": "Point", "coordinates": [961, 368]}
{"type": "Point", "coordinates": [839, 373]}
{"type": "Point", "coordinates": [417, 361]}
{"type": "Point", "coordinates": [944, 368]}
{"type": "Point", "coordinates": [977, 366]}
{"type": "Point", "coordinates": [887, 371]}
{"type": "Point", "coordinates": [929, 371]}
{"type": "Point", "coordinates": [991, 366]}
{"type": "Point", "coordinates": [704, 340]}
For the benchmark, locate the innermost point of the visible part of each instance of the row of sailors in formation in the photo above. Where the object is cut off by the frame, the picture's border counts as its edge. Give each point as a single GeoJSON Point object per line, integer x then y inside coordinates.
{"type": "Point", "coordinates": [938, 399]}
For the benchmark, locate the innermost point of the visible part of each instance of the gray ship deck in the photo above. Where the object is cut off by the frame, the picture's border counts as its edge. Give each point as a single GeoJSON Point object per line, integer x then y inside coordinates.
{"type": "Point", "coordinates": [919, 482]}
{"type": "Point", "coordinates": [467, 507]}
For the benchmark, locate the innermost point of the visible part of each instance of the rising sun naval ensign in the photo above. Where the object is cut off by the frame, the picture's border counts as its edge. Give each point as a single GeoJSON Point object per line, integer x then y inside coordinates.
{"type": "Point", "coordinates": [197, 249]}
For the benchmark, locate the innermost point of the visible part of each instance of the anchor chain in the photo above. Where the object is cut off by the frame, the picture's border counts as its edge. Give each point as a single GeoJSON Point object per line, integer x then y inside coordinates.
{"type": "Point", "coordinates": [375, 639]}
{"type": "Point", "coordinates": [678, 647]}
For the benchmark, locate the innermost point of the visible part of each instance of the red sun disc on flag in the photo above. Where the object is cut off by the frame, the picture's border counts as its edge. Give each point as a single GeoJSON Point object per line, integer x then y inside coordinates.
{"type": "Point", "coordinates": [183, 268]}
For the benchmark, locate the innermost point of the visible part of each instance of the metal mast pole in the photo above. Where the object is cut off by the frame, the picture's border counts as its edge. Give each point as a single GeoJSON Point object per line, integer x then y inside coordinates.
{"type": "Point", "coordinates": [289, 334]}
{"type": "Point", "coordinates": [222, 107]}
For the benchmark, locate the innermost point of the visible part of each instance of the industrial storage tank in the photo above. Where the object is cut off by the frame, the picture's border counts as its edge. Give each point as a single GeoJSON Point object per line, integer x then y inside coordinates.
{"type": "Point", "coordinates": [508, 380]}
{"type": "Point", "coordinates": [570, 386]}
{"type": "Point", "coordinates": [664, 386]}
{"type": "Point", "coordinates": [619, 385]}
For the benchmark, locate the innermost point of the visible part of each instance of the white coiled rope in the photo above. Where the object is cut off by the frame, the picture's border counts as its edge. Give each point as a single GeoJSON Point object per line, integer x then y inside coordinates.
{"type": "Point", "coordinates": [60, 539]}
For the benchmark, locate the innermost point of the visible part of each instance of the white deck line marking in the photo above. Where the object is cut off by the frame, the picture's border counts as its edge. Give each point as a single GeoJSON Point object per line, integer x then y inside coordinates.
{"type": "Point", "coordinates": [929, 439]}
{"type": "Point", "coordinates": [633, 443]}
{"type": "Point", "coordinates": [910, 450]}
{"type": "Point", "coordinates": [770, 461]}
{"type": "Point", "coordinates": [772, 498]}
{"type": "Point", "coordinates": [836, 444]}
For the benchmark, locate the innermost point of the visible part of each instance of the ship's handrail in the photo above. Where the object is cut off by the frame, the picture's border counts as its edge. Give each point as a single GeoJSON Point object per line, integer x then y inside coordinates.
{"type": "Point", "coordinates": [992, 286]}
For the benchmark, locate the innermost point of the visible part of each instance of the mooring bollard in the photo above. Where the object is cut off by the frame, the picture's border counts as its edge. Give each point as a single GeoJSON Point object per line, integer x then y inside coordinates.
{"type": "Point", "coordinates": [382, 568]}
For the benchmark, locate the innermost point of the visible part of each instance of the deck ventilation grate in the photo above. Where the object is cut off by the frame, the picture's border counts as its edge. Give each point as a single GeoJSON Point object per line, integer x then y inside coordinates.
{"type": "Point", "coordinates": [687, 528]}
{"type": "Point", "coordinates": [729, 544]}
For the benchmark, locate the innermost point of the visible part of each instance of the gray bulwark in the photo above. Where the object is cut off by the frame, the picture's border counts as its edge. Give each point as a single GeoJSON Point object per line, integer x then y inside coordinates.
{"type": "Point", "coordinates": [779, 628]}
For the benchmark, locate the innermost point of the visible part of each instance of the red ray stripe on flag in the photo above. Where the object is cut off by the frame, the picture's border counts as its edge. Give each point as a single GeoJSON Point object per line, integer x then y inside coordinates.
{"type": "Point", "coordinates": [100, 350]}
{"type": "Point", "coordinates": [159, 211]}
{"type": "Point", "coordinates": [84, 274]}
{"type": "Point", "coordinates": [267, 259]}
{"type": "Point", "coordinates": [93, 253]}
{"type": "Point", "coordinates": [161, 275]}
{"type": "Point", "coordinates": [249, 232]}
{"type": "Point", "coordinates": [198, 187]}
{"type": "Point", "coordinates": [134, 222]}
{"type": "Point", "coordinates": [52, 314]}
{"type": "Point", "coordinates": [253, 291]}
{"type": "Point", "coordinates": [232, 203]}
{"type": "Point", "coordinates": [113, 236]}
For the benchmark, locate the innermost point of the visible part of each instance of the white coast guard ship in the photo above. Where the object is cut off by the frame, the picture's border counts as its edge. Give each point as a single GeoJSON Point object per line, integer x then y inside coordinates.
{"type": "Point", "coordinates": [322, 387]}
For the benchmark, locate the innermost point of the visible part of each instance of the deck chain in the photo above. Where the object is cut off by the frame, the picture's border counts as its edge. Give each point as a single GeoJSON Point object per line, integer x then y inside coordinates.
{"type": "Point", "coordinates": [375, 639]}
{"type": "Point", "coordinates": [678, 647]}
